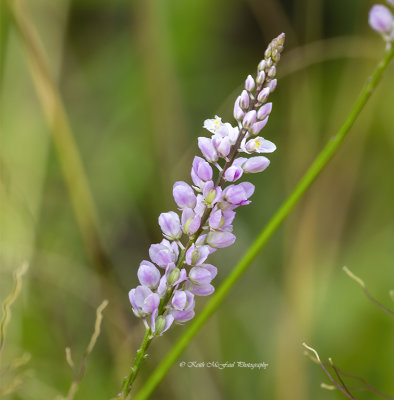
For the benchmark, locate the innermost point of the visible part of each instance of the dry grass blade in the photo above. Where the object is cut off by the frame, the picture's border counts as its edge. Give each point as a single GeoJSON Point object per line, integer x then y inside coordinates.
{"type": "Point", "coordinates": [337, 385]}
{"type": "Point", "coordinates": [362, 284]}
{"type": "Point", "coordinates": [78, 375]}
{"type": "Point", "coordinates": [63, 138]}
{"type": "Point", "coordinates": [6, 305]}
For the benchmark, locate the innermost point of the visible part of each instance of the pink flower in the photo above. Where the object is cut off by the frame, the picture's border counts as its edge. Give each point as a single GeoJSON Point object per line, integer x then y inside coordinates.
{"type": "Point", "coordinates": [170, 225]}
{"type": "Point", "coordinates": [184, 195]}
{"type": "Point", "coordinates": [381, 19]}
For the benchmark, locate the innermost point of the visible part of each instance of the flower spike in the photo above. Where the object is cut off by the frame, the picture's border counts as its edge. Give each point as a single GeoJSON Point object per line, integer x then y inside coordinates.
{"type": "Point", "coordinates": [177, 272]}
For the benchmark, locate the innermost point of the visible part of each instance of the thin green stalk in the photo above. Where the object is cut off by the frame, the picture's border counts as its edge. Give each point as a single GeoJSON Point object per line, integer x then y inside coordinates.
{"type": "Point", "coordinates": [127, 383]}
{"type": "Point", "coordinates": [306, 181]}
{"type": "Point", "coordinates": [63, 138]}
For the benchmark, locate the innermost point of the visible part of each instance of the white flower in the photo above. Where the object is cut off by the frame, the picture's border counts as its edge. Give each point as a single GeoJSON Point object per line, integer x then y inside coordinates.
{"type": "Point", "coordinates": [213, 125]}
{"type": "Point", "coordinates": [257, 145]}
{"type": "Point", "coordinates": [218, 128]}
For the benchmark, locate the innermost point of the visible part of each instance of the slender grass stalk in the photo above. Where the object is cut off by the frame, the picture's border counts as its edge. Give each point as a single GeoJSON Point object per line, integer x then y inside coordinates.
{"type": "Point", "coordinates": [7, 303]}
{"type": "Point", "coordinates": [364, 287]}
{"type": "Point", "coordinates": [343, 389]}
{"type": "Point", "coordinates": [63, 138]}
{"type": "Point", "coordinates": [79, 373]}
{"type": "Point", "coordinates": [306, 181]}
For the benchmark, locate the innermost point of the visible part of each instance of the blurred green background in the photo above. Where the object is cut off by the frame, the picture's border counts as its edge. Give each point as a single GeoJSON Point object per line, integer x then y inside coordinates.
{"type": "Point", "coordinates": [138, 78]}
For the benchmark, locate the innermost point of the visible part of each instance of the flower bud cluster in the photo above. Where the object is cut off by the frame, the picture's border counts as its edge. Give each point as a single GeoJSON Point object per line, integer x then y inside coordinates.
{"type": "Point", "coordinates": [381, 20]}
{"type": "Point", "coordinates": [178, 270]}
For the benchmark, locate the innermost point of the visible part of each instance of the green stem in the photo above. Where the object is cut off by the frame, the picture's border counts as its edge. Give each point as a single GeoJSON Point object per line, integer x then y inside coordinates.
{"type": "Point", "coordinates": [312, 173]}
{"type": "Point", "coordinates": [127, 383]}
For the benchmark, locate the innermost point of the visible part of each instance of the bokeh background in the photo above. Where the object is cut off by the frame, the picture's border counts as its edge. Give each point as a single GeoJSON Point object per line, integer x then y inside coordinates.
{"type": "Point", "coordinates": [137, 79]}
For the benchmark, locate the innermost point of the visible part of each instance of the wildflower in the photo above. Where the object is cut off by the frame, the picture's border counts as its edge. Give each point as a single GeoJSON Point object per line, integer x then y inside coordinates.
{"type": "Point", "coordinates": [382, 21]}
{"type": "Point", "coordinates": [184, 195]}
{"type": "Point", "coordinates": [170, 225]}
{"type": "Point", "coordinates": [201, 172]}
{"type": "Point", "coordinates": [178, 271]}
{"type": "Point", "coordinates": [163, 253]}
{"type": "Point", "coordinates": [148, 275]}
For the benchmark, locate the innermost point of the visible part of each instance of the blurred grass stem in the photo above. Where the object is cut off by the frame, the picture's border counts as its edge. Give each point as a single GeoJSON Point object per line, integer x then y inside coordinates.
{"type": "Point", "coordinates": [79, 374]}
{"type": "Point", "coordinates": [59, 126]}
{"type": "Point", "coordinates": [370, 297]}
{"type": "Point", "coordinates": [306, 181]}
{"type": "Point", "coordinates": [7, 303]}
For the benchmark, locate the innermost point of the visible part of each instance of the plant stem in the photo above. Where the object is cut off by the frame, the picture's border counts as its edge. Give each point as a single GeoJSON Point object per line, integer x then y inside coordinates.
{"type": "Point", "coordinates": [306, 181]}
{"type": "Point", "coordinates": [128, 381]}
{"type": "Point", "coordinates": [63, 138]}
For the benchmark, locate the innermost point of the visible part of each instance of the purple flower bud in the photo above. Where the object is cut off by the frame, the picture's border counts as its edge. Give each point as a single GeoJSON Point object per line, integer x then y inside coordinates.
{"type": "Point", "coordinates": [249, 119]}
{"type": "Point", "coordinates": [221, 219]}
{"type": "Point", "coordinates": [201, 171]}
{"type": "Point", "coordinates": [190, 221]}
{"type": "Point", "coordinates": [381, 19]}
{"type": "Point", "coordinates": [261, 66]}
{"type": "Point", "coordinates": [222, 145]}
{"type": "Point", "coordinates": [272, 72]}
{"type": "Point", "coordinates": [256, 164]}
{"type": "Point", "coordinates": [212, 269]}
{"type": "Point", "coordinates": [264, 111]}
{"type": "Point", "coordinates": [249, 83]}
{"type": "Point", "coordinates": [260, 77]}
{"type": "Point", "coordinates": [170, 225]}
{"type": "Point", "coordinates": [239, 194]}
{"type": "Point", "coordinates": [272, 85]}
{"type": "Point", "coordinates": [215, 219]}
{"type": "Point", "coordinates": [244, 100]}
{"type": "Point", "coordinates": [238, 112]}
{"type": "Point", "coordinates": [258, 126]}
{"type": "Point", "coordinates": [179, 300]}
{"type": "Point", "coordinates": [233, 173]}
{"type": "Point", "coordinates": [262, 96]}
{"type": "Point", "coordinates": [163, 253]}
{"type": "Point", "coordinates": [219, 240]}
{"type": "Point", "coordinates": [148, 274]}
{"type": "Point", "coordinates": [202, 290]}
{"type": "Point", "coordinates": [143, 300]}
{"type": "Point", "coordinates": [188, 312]}
{"type": "Point", "coordinates": [228, 218]}
{"type": "Point", "coordinates": [184, 195]}
{"type": "Point", "coordinates": [239, 160]}
{"type": "Point", "coordinates": [160, 324]}
{"type": "Point", "coordinates": [151, 303]}
{"type": "Point", "coordinates": [183, 316]}
{"type": "Point", "coordinates": [276, 55]}
{"type": "Point", "coordinates": [196, 255]}
{"type": "Point", "coordinates": [207, 149]}
{"type": "Point", "coordinates": [200, 276]}
{"type": "Point", "coordinates": [199, 209]}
